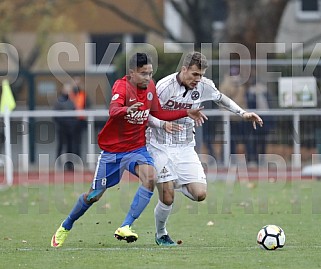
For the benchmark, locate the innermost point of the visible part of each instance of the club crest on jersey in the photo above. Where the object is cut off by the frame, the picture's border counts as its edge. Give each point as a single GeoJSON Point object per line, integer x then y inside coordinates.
{"type": "Point", "coordinates": [195, 95]}
{"type": "Point", "coordinates": [149, 96]}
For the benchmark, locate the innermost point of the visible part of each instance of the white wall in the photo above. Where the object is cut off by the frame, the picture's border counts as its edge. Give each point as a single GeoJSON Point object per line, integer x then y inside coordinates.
{"type": "Point", "coordinates": [297, 29]}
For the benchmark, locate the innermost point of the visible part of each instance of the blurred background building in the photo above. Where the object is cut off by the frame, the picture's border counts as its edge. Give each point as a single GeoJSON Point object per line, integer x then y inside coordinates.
{"type": "Point", "coordinates": [46, 43]}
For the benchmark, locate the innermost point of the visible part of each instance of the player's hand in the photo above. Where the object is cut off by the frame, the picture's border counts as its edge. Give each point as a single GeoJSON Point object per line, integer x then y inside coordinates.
{"type": "Point", "coordinates": [172, 127]}
{"type": "Point", "coordinates": [197, 115]}
{"type": "Point", "coordinates": [251, 116]}
{"type": "Point", "coordinates": [134, 107]}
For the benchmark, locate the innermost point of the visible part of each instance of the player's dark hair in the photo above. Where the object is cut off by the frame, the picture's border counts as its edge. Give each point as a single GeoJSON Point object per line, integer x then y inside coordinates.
{"type": "Point", "coordinates": [139, 60]}
{"type": "Point", "coordinates": [195, 58]}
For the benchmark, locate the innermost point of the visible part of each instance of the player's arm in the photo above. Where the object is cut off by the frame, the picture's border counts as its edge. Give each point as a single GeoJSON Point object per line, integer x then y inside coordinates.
{"type": "Point", "coordinates": [170, 115]}
{"type": "Point", "coordinates": [118, 106]}
{"type": "Point", "coordinates": [230, 105]}
{"type": "Point", "coordinates": [118, 110]}
{"type": "Point", "coordinates": [154, 122]}
{"type": "Point", "coordinates": [168, 126]}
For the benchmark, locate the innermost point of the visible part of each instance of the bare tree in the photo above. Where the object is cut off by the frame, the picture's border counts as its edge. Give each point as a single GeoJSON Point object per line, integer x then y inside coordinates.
{"type": "Point", "coordinates": [250, 22]}
{"type": "Point", "coordinates": [161, 30]}
{"type": "Point", "coordinates": [196, 14]}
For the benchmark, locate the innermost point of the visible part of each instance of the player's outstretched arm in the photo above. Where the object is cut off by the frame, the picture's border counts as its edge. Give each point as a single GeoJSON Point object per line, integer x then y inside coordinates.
{"type": "Point", "coordinates": [251, 116]}
{"type": "Point", "coordinates": [197, 115]}
{"type": "Point", "coordinates": [230, 105]}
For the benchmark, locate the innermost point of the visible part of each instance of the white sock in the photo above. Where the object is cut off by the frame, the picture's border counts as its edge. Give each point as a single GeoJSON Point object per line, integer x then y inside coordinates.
{"type": "Point", "coordinates": [161, 213]}
{"type": "Point", "coordinates": [187, 193]}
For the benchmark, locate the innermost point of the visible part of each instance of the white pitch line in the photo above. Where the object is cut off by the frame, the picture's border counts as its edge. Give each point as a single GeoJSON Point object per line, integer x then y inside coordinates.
{"type": "Point", "coordinates": [149, 249]}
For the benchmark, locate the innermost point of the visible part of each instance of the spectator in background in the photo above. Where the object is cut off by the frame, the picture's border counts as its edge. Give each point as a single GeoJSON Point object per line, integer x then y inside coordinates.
{"type": "Point", "coordinates": [81, 102]}
{"type": "Point", "coordinates": [66, 126]}
{"type": "Point", "coordinates": [232, 87]}
{"type": "Point", "coordinates": [209, 134]}
{"type": "Point", "coordinates": [256, 97]}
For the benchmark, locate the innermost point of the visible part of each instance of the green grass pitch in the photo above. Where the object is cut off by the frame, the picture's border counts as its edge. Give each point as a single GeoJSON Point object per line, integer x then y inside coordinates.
{"type": "Point", "coordinates": [217, 233]}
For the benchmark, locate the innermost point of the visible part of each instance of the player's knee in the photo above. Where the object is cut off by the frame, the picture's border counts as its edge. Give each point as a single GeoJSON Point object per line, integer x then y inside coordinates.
{"type": "Point", "coordinates": [167, 198]}
{"type": "Point", "coordinates": [150, 182]}
{"type": "Point", "coordinates": [90, 200]}
{"type": "Point", "coordinates": [93, 200]}
{"type": "Point", "coordinates": [201, 196]}
{"type": "Point", "coordinates": [93, 196]}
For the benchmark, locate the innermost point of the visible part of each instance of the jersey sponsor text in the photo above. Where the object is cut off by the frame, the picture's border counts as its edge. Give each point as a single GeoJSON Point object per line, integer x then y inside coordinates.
{"type": "Point", "coordinates": [176, 105]}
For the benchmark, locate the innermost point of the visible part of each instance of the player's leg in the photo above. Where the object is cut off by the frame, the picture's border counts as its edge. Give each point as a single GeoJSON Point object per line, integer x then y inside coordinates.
{"type": "Point", "coordinates": [85, 200]}
{"type": "Point", "coordinates": [83, 203]}
{"type": "Point", "coordinates": [141, 165]}
{"type": "Point", "coordinates": [195, 191]}
{"type": "Point", "coordinates": [162, 212]}
{"type": "Point", "coordinates": [147, 175]}
{"type": "Point", "coordinates": [190, 173]}
{"type": "Point", "coordinates": [165, 176]}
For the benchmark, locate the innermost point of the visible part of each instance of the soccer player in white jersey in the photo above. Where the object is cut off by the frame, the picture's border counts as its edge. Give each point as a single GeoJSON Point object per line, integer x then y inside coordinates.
{"type": "Point", "coordinates": [171, 144]}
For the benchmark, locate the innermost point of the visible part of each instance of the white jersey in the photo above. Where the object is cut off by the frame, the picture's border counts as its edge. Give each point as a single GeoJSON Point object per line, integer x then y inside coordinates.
{"type": "Point", "coordinates": [172, 96]}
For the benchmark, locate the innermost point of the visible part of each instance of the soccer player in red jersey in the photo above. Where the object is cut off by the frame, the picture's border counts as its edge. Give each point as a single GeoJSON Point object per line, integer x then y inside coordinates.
{"type": "Point", "coordinates": [123, 141]}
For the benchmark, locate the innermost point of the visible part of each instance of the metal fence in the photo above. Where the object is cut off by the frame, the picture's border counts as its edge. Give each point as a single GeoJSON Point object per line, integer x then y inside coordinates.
{"type": "Point", "coordinates": [295, 127]}
{"type": "Point", "coordinates": [45, 140]}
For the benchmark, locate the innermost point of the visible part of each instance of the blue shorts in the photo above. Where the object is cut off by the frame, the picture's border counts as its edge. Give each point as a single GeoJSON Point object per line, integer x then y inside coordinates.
{"type": "Point", "coordinates": [111, 166]}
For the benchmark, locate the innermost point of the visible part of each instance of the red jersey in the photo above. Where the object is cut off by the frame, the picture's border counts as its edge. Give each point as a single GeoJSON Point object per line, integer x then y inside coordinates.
{"type": "Point", "coordinates": [126, 132]}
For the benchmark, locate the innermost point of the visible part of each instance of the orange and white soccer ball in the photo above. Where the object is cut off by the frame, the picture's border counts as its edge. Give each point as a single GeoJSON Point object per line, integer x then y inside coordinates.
{"type": "Point", "coordinates": [271, 237]}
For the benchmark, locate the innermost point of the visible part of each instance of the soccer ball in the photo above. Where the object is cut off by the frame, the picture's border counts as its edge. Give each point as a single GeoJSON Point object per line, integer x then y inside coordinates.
{"type": "Point", "coordinates": [271, 237]}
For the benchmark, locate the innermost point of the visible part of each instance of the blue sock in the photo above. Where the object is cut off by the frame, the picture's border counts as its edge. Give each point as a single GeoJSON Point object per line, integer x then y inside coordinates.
{"type": "Point", "coordinates": [79, 209]}
{"type": "Point", "coordinates": [140, 201]}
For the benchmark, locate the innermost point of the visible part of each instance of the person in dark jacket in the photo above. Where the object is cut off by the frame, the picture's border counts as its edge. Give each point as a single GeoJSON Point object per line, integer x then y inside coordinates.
{"type": "Point", "coordinates": [65, 125]}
